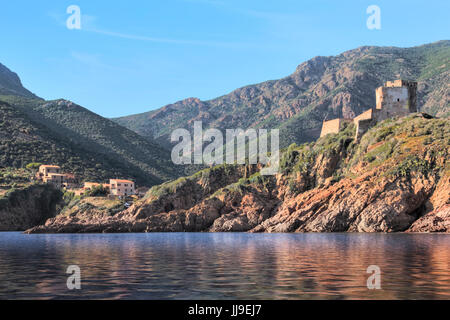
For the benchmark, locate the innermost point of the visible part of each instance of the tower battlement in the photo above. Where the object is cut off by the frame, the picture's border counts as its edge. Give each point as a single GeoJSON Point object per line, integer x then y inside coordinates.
{"type": "Point", "coordinates": [397, 98]}
{"type": "Point", "coordinates": [401, 83]}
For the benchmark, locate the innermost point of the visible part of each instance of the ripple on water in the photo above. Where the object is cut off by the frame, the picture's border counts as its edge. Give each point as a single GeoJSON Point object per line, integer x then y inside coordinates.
{"type": "Point", "coordinates": [225, 266]}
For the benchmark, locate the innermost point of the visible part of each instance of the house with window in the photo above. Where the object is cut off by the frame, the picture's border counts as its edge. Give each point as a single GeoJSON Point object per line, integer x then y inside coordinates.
{"type": "Point", "coordinates": [122, 188]}
{"type": "Point", "coordinates": [70, 181]}
{"type": "Point", "coordinates": [46, 170]}
{"type": "Point", "coordinates": [53, 175]}
{"type": "Point", "coordinates": [55, 179]}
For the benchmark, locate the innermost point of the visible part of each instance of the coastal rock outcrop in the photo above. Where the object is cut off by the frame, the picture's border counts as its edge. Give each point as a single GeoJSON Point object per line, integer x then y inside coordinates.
{"type": "Point", "coordinates": [438, 219]}
{"type": "Point", "coordinates": [395, 179]}
{"type": "Point", "coordinates": [25, 208]}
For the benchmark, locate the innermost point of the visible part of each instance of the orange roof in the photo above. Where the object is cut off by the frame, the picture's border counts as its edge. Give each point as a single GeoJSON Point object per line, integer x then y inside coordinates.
{"type": "Point", "coordinates": [47, 166]}
{"type": "Point", "coordinates": [122, 181]}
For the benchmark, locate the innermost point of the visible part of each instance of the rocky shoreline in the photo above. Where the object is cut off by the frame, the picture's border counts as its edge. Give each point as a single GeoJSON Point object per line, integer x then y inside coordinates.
{"type": "Point", "coordinates": [396, 179]}
{"type": "Point", "coordinates": [24, 208]}
{"type": "Point", "coordinates": [386, 207]}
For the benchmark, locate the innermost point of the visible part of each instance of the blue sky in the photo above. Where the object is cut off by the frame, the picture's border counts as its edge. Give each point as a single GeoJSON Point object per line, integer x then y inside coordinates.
{"type": "Point", "coordinates": [135, 56]}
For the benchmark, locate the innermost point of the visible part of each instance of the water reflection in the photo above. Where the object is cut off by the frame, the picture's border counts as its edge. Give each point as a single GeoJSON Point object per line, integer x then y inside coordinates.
{"type": "Point", "coordinates": [225, 266]}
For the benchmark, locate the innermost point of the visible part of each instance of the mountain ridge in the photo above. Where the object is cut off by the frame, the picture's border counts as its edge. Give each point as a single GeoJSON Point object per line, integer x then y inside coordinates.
{"type": "Point", "coordinates": [10, 84]}
{"type": "Point", "coordinates": [321, 87]}
{"type": "Point", "coordinates": [27, 136]}
{"type": "Point", "coordinates": [63, 133]}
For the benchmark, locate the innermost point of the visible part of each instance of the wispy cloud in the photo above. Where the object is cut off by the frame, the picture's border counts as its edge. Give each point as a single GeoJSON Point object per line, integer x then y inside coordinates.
{"type": "Point", "coordinates": [162, 40]}
{"type": "Point", "coordinates": [89, 24]}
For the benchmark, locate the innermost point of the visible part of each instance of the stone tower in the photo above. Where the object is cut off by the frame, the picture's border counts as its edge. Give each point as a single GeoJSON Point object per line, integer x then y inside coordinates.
{"type": "Point", "coordinates": [396, 98]}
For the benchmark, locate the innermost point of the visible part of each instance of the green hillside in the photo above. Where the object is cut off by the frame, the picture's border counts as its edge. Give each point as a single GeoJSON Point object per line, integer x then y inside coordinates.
{"type": "Point", "coordinates": [63, 133]}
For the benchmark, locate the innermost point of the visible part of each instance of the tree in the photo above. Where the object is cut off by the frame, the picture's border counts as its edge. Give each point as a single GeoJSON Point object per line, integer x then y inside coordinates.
{"type": "Point", "coordinates": [33, 166]}
{"type": "Point", "coordinates": [99, 191]}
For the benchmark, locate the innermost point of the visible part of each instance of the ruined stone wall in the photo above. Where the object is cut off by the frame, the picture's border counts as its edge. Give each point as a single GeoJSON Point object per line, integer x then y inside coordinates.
{"type": "Point", "coordinates": [331, 126]}
{"type": "Point", "coordinates": [368, 114]}
{"type": "Point", "coordinates": [412, 91]}
{"type": "Point", "coordinates": [362, 126]}
{"type": "Point", "coordinates": [364, 121]}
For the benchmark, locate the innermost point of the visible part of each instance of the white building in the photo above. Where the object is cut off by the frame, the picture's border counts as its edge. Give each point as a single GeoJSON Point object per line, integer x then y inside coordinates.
{"type": "Point", "coordinates": [122, 187]}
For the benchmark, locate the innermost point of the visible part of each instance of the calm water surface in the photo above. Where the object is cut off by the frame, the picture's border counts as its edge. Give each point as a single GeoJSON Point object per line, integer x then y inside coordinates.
{"type": "Point", "coordinates": [225, 266]}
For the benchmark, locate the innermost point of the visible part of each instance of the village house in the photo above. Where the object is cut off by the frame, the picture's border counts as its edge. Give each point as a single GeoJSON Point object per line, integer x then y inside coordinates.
{"type": "Point", "coordinates": [45, 170]}
{"type": "Point", "coordinates": [117, 187]}
{"type": "Point", "coordinates": [395, 98]}
{"type": "Point", "coordinates": [70, 181]}
{"type": "Point", "coordinates": [53, 175]}
{"type": "Point", "coordinates": [121, 188]}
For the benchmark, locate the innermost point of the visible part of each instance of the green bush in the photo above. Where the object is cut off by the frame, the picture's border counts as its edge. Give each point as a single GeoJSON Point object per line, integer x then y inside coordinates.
{"type": "Point", "coordinates": [412, 164]}
{"type": "Point", "coordinates": [33, 166]}
{"type": "Point", "coordinates": [99, 191]}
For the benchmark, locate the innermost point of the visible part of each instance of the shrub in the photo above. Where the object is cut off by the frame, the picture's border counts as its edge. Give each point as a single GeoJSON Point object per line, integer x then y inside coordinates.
{"type": "Point", "coordinates": [289, 158]}
{"type": "Point", "coordinates": [99, 191]}
{"type": "Point", "coordinates": [412, 164]}
{"type": "Point", "coordinates": [33, 166]}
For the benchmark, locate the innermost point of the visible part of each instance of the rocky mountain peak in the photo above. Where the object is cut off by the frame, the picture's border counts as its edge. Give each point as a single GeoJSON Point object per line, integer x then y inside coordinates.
{"type": "Point", "coordinates": [10, 84]}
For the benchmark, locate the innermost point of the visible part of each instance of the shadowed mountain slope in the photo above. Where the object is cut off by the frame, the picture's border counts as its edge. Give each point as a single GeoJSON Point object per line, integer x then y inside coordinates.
{"type": "Point", "coordinates": [63, 133]}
